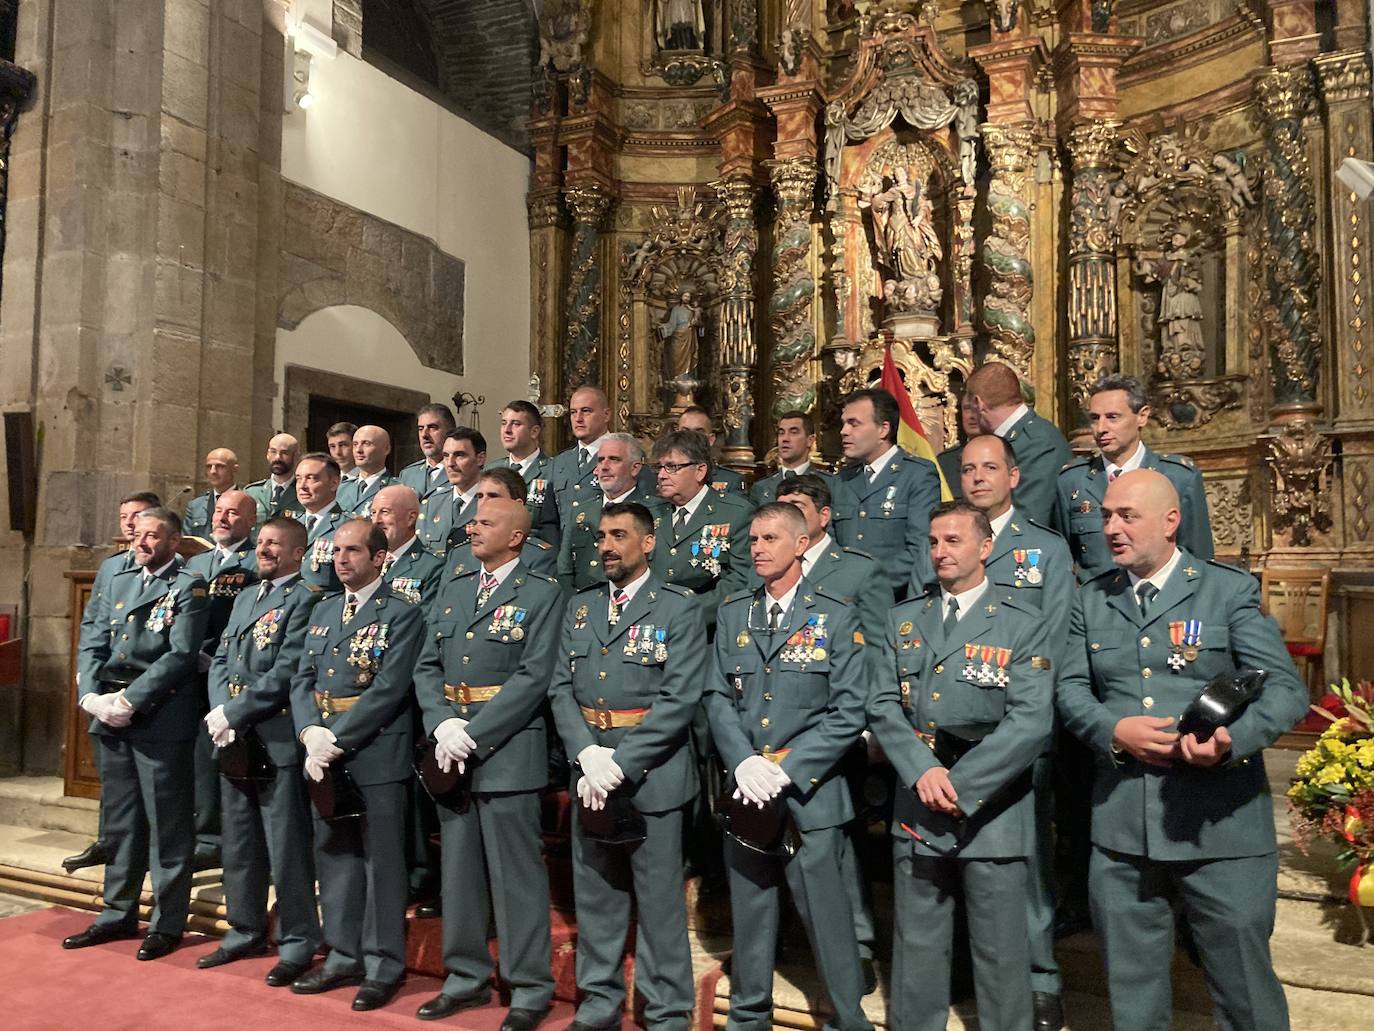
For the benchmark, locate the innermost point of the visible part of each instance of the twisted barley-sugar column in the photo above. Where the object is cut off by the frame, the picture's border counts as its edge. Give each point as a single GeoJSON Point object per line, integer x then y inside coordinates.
{"type": "Point", "coordinates": [581, 355]}
{"type": "Point", "coordinates": [1006, 251]}
{"type": "Point", "coordinates": [794, 286]}
{"type": "Point", "coordinates": [738, 348]}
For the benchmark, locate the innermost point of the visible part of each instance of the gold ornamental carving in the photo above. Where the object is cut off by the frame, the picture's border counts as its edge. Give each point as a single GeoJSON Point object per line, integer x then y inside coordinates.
{"type": "Point", "coordinates": [794, 287]}
{"type": "Point", "coordinates": [1344, 76]}
{"type": "Point", "coordinates": [581, 349]}
{"type": "Point", "coordinates": [1231, 512]}
{"type": "Point", "coordinates": [1006, 250]}
{"type": "Point", "coordinates": [1093, 144]}
{"type": "Point", "coordinates": [1299, 460]}
{"type": "Point", "coordinates": [544, 209]}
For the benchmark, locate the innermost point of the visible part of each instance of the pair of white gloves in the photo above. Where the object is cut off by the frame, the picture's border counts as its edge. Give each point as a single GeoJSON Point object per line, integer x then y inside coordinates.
{"type": "Point", "coordinates": [218, 725]}
{"type": "Point", "coordinates": [759, 780]}
{"type": "Point", "coordinates": [601, 775]}
{"type": "Point", "coordinates": [453, 744]}
{"type": "Point", "coordinates": [320, 751]}
{"type": "Point", "coordinates": [113, 710]}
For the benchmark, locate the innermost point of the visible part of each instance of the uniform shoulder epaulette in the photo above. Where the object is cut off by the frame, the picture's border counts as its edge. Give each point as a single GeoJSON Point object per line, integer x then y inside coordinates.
{"type": "Point", "coordinates": [257, 483]}
{"type": "Point", "coordinates": [541, 576]}
{"type": "Point", "coordinates": [1229, 568]}
{"type": "Point", "coordinates": [590, 590]}
{"type": "Point", "coordinates": [734, 596]}
{"type": "Point", "coordinates": [401, 597]}
{"type": "Point", "coordinates": [1110, 571]}
{"type": "Point", "coordinates": [312, 588]}
{"type": "Point", "coordinates": [833, 595]}
{"type": "Point", "coordinates": [674, 589]}
{"type": "Point", "coordinates": [856, 551]}
{"type": "Point", "coordinates": [1042, 527]}
{"type": "Point", "coordinates": [542, 545]}
{"type": "Point", "coordinates": [1076, 461]}
{"type": "Point", "coordinates": [1182, 460]}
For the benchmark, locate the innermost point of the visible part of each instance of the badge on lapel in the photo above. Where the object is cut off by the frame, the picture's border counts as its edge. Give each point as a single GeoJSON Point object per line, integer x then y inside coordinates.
{"type": "Point", "coordinates": [506, 621]}
{"type": "Point", "coordinates": [365, 650]}
{"type": "Point", "coordinates": [163, 613]}
{"type": "Point", "coordinates": [266, 628]}
{"type": "Point", "coordinates": [321, 554]}
{"type": "Point", "coordinates": [408, 587]}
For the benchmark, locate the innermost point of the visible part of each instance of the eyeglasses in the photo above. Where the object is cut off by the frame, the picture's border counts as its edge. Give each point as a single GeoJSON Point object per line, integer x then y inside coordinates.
{"type": "Point", "coordinates": [672, 467]}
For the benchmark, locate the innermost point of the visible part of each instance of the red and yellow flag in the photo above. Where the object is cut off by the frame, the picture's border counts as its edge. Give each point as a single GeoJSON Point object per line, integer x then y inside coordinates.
{"type": "Point", "coordinates": [910, 434]}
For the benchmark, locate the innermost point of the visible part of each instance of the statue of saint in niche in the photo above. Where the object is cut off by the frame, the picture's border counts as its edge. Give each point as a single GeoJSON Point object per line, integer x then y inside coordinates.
{"type": "Point", "coordinates": [682, 329]}
{"type": "Point", "coordinates": [679, 25]}
{"type": "Point", "coordinates": [908, 246]}
{"type": "Point", "coordinates": [1182, 353]}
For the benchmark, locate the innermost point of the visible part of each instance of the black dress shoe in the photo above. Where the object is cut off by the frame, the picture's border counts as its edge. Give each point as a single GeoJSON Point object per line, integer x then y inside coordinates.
{"type": "Point", "coordinates": [443, 1005]}
{"type": "Point", "coordinates": [97, 853]}
{"type": "Point", "coordinates": [870, 976]}
{"type": "Point", "coordinates": [157, 945]}
{"type": "Point", "coordinates": [1049, 1014]}
{"type": "Point", "coordinates": [323, 981]}
{"type": "Point", "coordinates": [222, 955]}
{"type": "Point", "coordinates": [375, 994]}
{"type": "Point", "coordinates": [206, 859]}
{"type": "Point", "coordinates": [429, 910]}
{"type": "Point", "coordinates": [284, 973]}
{"type": "Point", "coordinates": [99, 934]}
{"type": "Point", "coordinates": [523, 1020]}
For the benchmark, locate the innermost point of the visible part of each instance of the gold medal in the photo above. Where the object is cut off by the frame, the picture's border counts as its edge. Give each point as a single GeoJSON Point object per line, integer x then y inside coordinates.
{"type": "Point", "coordinates": [517, 634]}
{"type": "Point", "coordinates": [904, 629]}
{"type": "Point", "coordinates": [1086, 506]}
{"type": "Point", "coordinates": [817, 654]}
{"type": "Point", "coordinates": [1190, 653]}
{"type": "Point", "coordinates": [742, 639]}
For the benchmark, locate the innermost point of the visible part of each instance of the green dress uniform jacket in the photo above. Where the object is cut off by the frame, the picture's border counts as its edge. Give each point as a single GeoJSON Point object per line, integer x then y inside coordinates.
{"type": "Point", "coordinates": [200, 512]}
{"type": "Point", "coordinates": [709, 556]}
{"type": "Point", "coordinates": [95, 620]}
{"type": "Point", "coordinates": [439, 527]}
{"type": "Point", "coordinates": [798, 696]}
{"type": "Point", "coordinates": [355, 500]}
{"type": "Point", "coordinates": [1041, 452]}
{"type": "Point", "coordinates": [951, 463]}
{"type": "Point", "coordinates": [722, 479]}
{"type": "Point", "coordinates": [651, 663]}
{"type": "Point", "coordinates": [421, 477]}
{"type": "Point", "coordinates": [227, 576]}
{"type": "Point", "coordinates": [569, 485]}
{"type": "Point", "coordinates": [579, 561]}
{"type": "Point", "coordinates": [537, 555]}
{"type": "Point", "coordinates": [266, 825]}
{"type": "Point", "coordinates": [501, 651]}
{"type": "Point", "coordinates": [415, 575]}
{"type": "Point", "coordinates": [889, 518]}
{"type": "Point", "coordinates": [318, 565]}
{"type": "Point", "coordinates": [287, 505]}
{"type": "Point", "coordinates": [766, 489]}
{"type": "Point", "coordinates": [355, 679]}
{"type": "Point", "coordinates": [539, 498]}
{"type": "Point", "coordinates": [1081, 486]}
{"type": "Point", "coordinates": [153, 635]}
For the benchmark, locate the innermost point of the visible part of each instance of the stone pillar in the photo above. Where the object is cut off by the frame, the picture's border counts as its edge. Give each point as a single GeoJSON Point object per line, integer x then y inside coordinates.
{"type": "Point", "coordinates": [588, 203]}
{"type": "Point", "coordinates": [1006, 249]}
{"type": "Point", "coordinates": [738, 349]}
{"type": "Point", "coordinates": [1293, 272]}
{"type": "Point", "coordinates": [1092, 265]}
{"type": "Point", "coordinates": [16, 86]}
{"type": "Point", "coordinates": [794, 287]}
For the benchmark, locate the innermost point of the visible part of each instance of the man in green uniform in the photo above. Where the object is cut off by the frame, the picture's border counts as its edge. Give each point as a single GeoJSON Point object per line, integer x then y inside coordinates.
{"type": "Point", "coordinates": [338, 441]}
{"type": "Point", "coordinates": [1118, 410]}
{"type": "Point", "coordinates": [787, 698]}
{"type": "Point", "coordinates": [505, 483]}
{"type": "Point", "coordinates": [221, 472]}
{"type": "Point", "coordinates": [522, 430]}
{"type": "Point", "coordinates": [276, 495]}
{"type": "Point", "coordinates": [574, 468]}
{"type": "Point", "coordinates": [350, 705]}
{"type": "Point", "coordinates": [618, 464]}
{"type": "Point", "coordinates": [1031, 563]}
{"type": "Point", "coordinates": [719, 477]}
{"type": "Point", "coordinates": [317, 487]}
{"type": "Point", "coordinates": [964, 709]}
{"type": "Point", "coordinates": [796, 435]}
{"type": "Point", "coordinates": [266, 822]}
{"type": "Point", "coordinates": [228, 569]}
{"type": "Point", "coordinates": [482, 683]}
{"type": "Point", "coordinates": [994, 393]}
{"type": "Point", "coordinates": [444, 512]}
{"type": "Point", "coordinates": [410, 570]}
{"type": "Point", "coordinates": [883, 499]}
{"type": "Point", "coordinates": [426, 475]}
{"type": "Point", "coordinates": [951, 459]}
{"type": "Point", "coordinates": [1178, 823]}
{"type": "Point", "coordinates": [95, 623]}
{"type": "Point", "coordinates": [145, 716]}
{"type": "Point", "coordinates": [626, 683]}
{"type": "Point", "coordinates": [371, 449]}
{"type": "Point", "coordinates": [703, 541]}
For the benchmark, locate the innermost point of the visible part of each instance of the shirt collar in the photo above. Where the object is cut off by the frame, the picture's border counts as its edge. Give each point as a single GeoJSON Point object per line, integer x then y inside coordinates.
{"type": "Point", "coordinates": [814, 552]}
{"type": "Point", "coordinates": [284, 580]}
{"type": "Point", "coordinates": [797, 470]}
{"type": "Point", "coordinates": [1130, 465]}
{"type": "Point", "coordinates": [398, 552]}
{"type": "Point", "coordinates": [1162, 576]}
{"type": "Point", "coordinates": [522, 465]}
{"type": "Point", "coordinates": [1000, 523]}
{"type": "Point", "coordinates": [631, 589]}
{"type": "Point", "coordinates": [273, 481]}
{"type": "Point", "coordinates": [785, 601]}
{"type": "Point", "coordinates": [692, 505]}
{"type": "Point", "coordinates": [465, 499]}
{"type": "Point", "coordinates": [322, 513]}
{"type": "Point", "coordinates": [966, 601]}
{"type": "Point", "coordinates": [162, 569]}
{"type": "Point", "coordinates": [232, 549]}
{"type": "Point", "coordinates": [351, 474]}
{"type": "Point", "coordinates": [877, 466]}
{"type": "Point", "coordinates": [617, 501]}
{"type": "Point", "coordinates": [366, 482]}
{"type": "Point", "coordinates": [365, 595]}
{"type": "Point", "coordinates": [502, 571]}
{"type": "Point", "coordinates": [1011, 420]}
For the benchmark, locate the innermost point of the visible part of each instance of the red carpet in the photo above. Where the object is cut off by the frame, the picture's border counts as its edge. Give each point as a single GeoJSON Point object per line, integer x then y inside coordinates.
{"type": "Point", "coordinates": [47, 988]}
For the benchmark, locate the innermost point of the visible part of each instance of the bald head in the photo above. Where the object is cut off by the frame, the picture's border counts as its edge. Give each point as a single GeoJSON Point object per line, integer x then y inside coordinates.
{"type": "Point", "coordinates": [283, 452]}
{"type": "Point", "coordinates": [498, 531]}
{"type": "Point", "coordinates": [1140, 516]}
{"type": "Point", "coordinates": [233, 518]}
{"type": "Point", "coordinates": [221, 469]}
{"type": "Point", "coordinates": [396, 509]}
{"type": "Point", "coordinates": [589, 412]}
{"type": "Point", "coordinates": [371, 446]}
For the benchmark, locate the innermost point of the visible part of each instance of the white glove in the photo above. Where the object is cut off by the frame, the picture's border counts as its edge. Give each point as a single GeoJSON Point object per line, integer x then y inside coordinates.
{"type": "Point", "coordinates": [759, 781]}
{"type": "Point", "coordinates": [599, 765]}
{"type": "Point", "coordinates": [315, 767]}
{"type": "Point", "coordinates": [319, 745]}
{"type": "Point", "coordinates": [590, 796]}
{"type": "Point", "coordinates": [223, 738]}
{"type": "Point", "coordinates": [110, 709]}
{"type": "Point", "coordinates": [454, 743]}
{"type": "Point", "coordinates": [216, 722]}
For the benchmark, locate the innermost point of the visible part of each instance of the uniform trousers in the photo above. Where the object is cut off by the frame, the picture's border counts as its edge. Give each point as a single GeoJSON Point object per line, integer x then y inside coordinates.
{"type": "Point", "coordinates": [493, 864]}
{"type": "Point", "coordinates": [1045, 975]}
{"type": "Point", "coordinates": [1229, 904]}
{"type": "Point", "coordinates": [149, 824]}
{"type": "Point", "coordinates": [267, 841]}
{"type": "Point", "coordinates": [362, 868]}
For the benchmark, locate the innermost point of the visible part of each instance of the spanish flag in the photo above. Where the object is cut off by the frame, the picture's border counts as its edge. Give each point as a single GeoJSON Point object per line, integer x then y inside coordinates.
{"type": "Point", "coordinates": [910, 434]}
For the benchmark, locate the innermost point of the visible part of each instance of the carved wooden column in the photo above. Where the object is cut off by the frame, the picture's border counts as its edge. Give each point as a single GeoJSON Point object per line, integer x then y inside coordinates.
{"type": "Point", "coordinates": [1092, 265]}
{"type": "Point", "coordinates": [1293, 270]}
{"type": "Point", "coordinates": [794, 287]}
{"type": "Point", "coordinates": [1006, 249]}
{"type": "Point", "coordinates": [738, 349]}
{"type": "Point", "coordinates": [588, 203]}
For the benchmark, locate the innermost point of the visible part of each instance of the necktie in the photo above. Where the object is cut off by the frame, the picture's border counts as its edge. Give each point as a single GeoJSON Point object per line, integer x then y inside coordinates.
{"type": "Point", "coordinates": [488, 585]}
{"type": "Point", "coordinates": [1145, 593]}
{"type": "Point", "coordinates": [583, 457]}
{"type": "Point", "coordinates": [278, 489]}
{"type": "Point", "coordinates": [263, 589]}
{"type": "Point", "coordinates": [350, 607]}
{"type": "Point", "coordinates": [952, 616]}
{"type": "Point", "coordinates": [515, 463]}
{"type": "Point", "coordinates": [680, 518]}
{"type": "Point", "coordinates": [1113, 475]}
{"type": "Point", "coordinates": [147, 579]}
{"type": "Point", "coordinates": [386, 562]}
{"type": "Point", "coordinates": [774, 616]}
{"type": "Point", "coordinates": [216, 560]}
{"type": "Point", "coordinates": [310, 522]}
{"type": "Point", "coordinates": [789, 474]}
{"type": "Point", "coordinates": [873, 472]}
{"type": "Point", "coordinates": [618, 602]}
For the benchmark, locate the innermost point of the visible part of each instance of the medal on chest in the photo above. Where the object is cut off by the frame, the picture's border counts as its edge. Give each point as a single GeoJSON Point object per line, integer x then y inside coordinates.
{"type": "Point", "coordinates": [985, 652]}
{"type": "Point", "coordinates": [321, 554]}
{"type": "Point", "coordinates": [266, 628]}
{"type": "Point", "coordinates": [163, 613]}
{"type": "Point", "coordinates": [580, 617]}
{"type": "Point", "coordinates": [408, 587]}
{"type": "Point", "coordinates": [228, 585]}
{"type": "Point", "coordinates": [889, 503]}
{"type": "Point", "coordinates": [970, 671]}
{"type": "Point", "coordinates": [1184, 638]}
{"type": "Point", "coordinates": [1002, 679]}
{"type": "Point", "coordinates": [644, 640]}
{"type": "Point", "coordinates": [535, 496]}
{"type": "Point", "coordinates": [809, 643]}
{"type": "Point", "coordinates": [365, 650]}
{"type": "Point", "coordinates": [710, 546]}
{"type": "Point", "coordinates": [507, 621]}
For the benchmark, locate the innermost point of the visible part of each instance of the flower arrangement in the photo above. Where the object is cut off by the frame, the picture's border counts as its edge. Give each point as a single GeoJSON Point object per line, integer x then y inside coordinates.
{"type": "Point", "coordinates": [1332, 795]}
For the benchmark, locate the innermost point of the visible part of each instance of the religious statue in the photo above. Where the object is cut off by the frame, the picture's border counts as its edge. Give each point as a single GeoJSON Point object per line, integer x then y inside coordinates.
{"type": "Point", "coordinates": [682, 328]}
{"type": "Point", "coordinates": [1181, 349]}
{"type": "Point", "coordinates": [908, 247]}
{"type": "Point", "coordinates": [967, 128]}
{"type": "Point", "coordinates": [1231, 171]}
{"type": "Point", "coordinates": [563, 32]}
{"type": "Point", "coordinates": [679, 25]}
